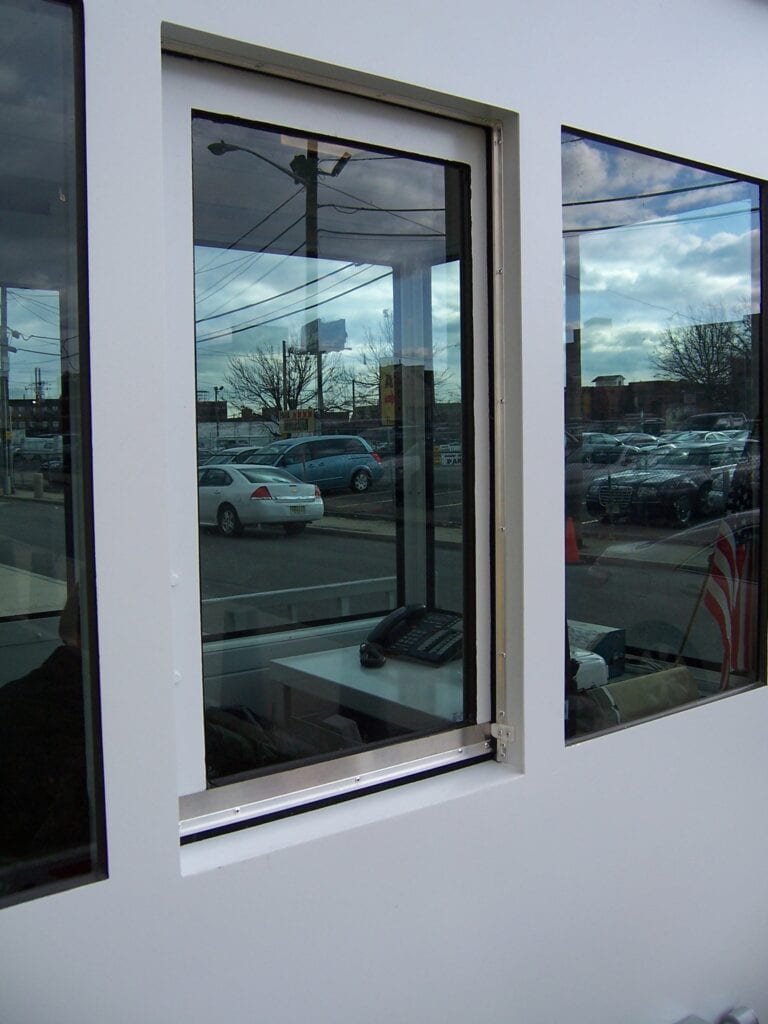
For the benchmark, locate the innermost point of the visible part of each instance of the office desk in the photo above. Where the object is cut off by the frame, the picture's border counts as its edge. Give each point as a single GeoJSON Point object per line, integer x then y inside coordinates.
{"type": "Point", "coordinates": [405, 693]}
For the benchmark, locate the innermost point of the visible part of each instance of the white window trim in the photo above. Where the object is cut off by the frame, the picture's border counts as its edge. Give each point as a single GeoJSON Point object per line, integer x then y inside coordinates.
{"type": "Point", "coordinates": [204, 810]}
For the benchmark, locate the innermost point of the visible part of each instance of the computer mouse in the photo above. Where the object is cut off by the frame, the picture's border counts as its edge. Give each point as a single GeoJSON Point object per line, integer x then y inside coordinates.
{"type": "Point", "coordinates": [371, 655]}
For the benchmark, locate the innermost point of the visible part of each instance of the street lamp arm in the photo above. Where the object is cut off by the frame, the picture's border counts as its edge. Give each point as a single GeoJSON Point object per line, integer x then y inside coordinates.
{"type": "Point", "coordinates": [220, 148]}
{"type": "Point", "coordinates": [301, 170]}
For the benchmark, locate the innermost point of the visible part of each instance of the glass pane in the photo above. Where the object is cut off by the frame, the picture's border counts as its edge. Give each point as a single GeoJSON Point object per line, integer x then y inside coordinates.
{"type": "Point", "coordinates": [662, 444]}
{"type": "Point", "coordinates": [50, 786]}
{"type": "Point", "coordinates": [330, 283]}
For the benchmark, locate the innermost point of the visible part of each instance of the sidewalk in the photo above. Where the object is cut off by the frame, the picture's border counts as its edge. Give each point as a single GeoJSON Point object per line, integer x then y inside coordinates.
{"type": "Point", "coordinates": [350, 525]}
{"type": "Point", "coordinates": [29, 494]}
{"type": "Point", "coordinates": [378, 529]}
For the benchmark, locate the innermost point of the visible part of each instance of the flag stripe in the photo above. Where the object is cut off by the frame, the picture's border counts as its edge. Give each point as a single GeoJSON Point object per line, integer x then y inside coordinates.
{"type": "Point", "coordinates": [730, 600]}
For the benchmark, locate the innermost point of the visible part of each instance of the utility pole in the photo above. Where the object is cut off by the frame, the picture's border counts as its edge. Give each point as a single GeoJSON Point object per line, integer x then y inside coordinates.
{"type": "Point", "coordinates": [304, 170]}
{"type": "Point", "coordinates": [310, 188]}
{"type": "Point", "coordinates": [285, 377]}
{"type": "Point", "coordinates": [216, 391]}
{"type": "Point", "coordinates": [5, 407]}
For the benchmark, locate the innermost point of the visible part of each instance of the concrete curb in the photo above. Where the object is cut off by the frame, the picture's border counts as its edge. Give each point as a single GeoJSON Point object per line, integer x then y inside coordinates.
{"type": "Point", "coordinates": [347, 526]}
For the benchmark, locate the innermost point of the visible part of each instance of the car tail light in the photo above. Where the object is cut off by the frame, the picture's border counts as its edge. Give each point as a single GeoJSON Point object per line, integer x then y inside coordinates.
{"type": "Point", "coordinates": [376, 456]}
{"type": "Point", "coordinates": [317, 491]}
{"type": "Point", "coordinates": [261, 492]}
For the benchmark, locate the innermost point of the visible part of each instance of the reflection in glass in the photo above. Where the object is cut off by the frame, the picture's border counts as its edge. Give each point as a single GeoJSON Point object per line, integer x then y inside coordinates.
{"type": "Point", "coordinates": [50, 788]}
{"type": "Point", "coordinates": [662, 445]}
{"type": "Point", "coordinates": [329, 283]}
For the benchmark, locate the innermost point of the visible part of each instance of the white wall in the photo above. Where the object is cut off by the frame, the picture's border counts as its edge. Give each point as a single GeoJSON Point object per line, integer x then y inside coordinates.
{"type": "Point", "coordinates": [620, 880]}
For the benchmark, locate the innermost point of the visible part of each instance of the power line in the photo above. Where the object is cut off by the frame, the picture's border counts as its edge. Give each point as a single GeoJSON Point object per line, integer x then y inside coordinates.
{"type": "Point", "coordinates": [272, 298]}
{"type": "Point", "coordinates": [652, 195]}
{"type": "Point", "coordinates": [294, 308]}
{"type": "Point", "coordinates": [632, 298]}
{"type": "Point", "coordinates": [373, 206]}
{"type": "Point", "coordinates": [382, 234]}
{"type": "Point", "coordinates": [342, 208]}
{"type": "Point", "coordinates": [256, 255]}
{"type": "Point", "coordinates": [29, 303]}
{"type": "Point", "coordinates": [246, 261]}
{"type": "Point", "coordinates": [255, 226]}
{"type": "Point", "coordinates": [660, 221]}
{"type": "Point", "coordinates": [274, 319]}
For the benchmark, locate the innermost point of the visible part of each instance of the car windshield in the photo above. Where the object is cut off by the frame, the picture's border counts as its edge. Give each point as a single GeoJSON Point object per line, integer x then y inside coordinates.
{"type": "Point", "coordinates": [268, 456]}
{"type": "Point", "coordinates": [689, 459]}
{"type": "Point", "coordinates": [267, 475]}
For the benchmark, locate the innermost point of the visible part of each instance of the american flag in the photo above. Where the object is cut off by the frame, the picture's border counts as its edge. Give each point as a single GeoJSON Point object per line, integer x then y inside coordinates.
{"type": "Point", "coordinates": [730, 598]}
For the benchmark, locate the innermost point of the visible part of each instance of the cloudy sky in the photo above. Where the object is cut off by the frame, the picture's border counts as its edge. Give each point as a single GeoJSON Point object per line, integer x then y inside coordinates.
{"type": "Point", "coordinates": [376, 210]}
{"type": "Point", "coordinates": [34, 315]}
{"type": "Point", "coordinates": [282, 293]}
{"type": "Point", "coordinates": [650, 244]}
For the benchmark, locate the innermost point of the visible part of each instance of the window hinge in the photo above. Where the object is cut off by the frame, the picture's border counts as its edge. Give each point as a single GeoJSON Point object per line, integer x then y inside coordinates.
{"type": "Point", "coordinates": [504, 735]}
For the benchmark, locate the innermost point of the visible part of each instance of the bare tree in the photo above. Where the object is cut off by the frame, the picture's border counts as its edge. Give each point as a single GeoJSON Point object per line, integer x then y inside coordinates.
{"type": "Point", "coordinates": [378, 350]}
{"type": "Point", "coordinates": [709, 354]}
{"type": "Point", "coordinates": [256, 378]}
{"type": "Point", "coordinates": [261, 378]}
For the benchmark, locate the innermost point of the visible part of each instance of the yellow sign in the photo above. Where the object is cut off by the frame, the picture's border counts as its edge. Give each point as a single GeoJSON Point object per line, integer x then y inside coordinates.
{"type": "Point", "coordinates": [297, 421]}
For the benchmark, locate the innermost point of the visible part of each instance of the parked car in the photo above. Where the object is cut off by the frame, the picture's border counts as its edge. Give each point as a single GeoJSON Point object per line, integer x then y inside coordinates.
{"type": "Point", "coordinates": [744, 490]}
{"type": "Point", "coordinates": [598, 439]}
{"type": "Point", "coordinates": [638, 440]}
{"type": "Point", "coordinates": [716, 421]}
{"type": "Point", "coordinates": [234, 497]}
{"type": "Point", "coordinates": [584, 465]}
{"type": "Point", "coordinates": [37, 453]}
{"type": "Point", "coordinates": [685, 437]}
{"type": "Point", "coordinates": [674, 485]}
{"type": "Point", "coordinates": [333, 461]}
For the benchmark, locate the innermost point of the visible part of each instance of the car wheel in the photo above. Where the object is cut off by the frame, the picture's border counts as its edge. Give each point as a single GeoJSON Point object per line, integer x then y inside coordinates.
{"type": "Point", "coordinates": [229, 522]}
{"type": "Point", "coordinates": [361, 481]}
{"type": "Point", "coordinates": [292, 529]}
{"type": "Point", "coordinates": [682, 510]}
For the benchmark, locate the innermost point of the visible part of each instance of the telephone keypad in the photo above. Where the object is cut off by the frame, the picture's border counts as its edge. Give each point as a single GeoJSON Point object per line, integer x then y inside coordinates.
{"type": "Point", "coordinates": [436, 637]}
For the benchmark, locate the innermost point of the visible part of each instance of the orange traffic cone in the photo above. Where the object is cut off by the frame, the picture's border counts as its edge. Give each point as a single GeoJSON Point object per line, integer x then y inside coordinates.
{"type": "Point", "coordinates": [572, 556]}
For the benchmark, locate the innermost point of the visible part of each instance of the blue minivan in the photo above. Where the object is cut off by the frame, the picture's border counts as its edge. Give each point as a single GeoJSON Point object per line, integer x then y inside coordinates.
{"type": "Point", "coordinates": [332, 461]}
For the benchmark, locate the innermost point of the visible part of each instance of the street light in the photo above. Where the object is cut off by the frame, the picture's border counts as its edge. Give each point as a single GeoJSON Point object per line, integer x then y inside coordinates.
{"type": "Point", "coordinates": [304, 170]}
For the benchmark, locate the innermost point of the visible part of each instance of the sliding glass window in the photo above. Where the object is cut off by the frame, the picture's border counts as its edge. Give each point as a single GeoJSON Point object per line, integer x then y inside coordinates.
{"type": "Point", "coordinates": [334, 422]}
{"type": "Point", "coordinates": [50, 778]}
{"type": "Point", "coordinates": [663, 437]}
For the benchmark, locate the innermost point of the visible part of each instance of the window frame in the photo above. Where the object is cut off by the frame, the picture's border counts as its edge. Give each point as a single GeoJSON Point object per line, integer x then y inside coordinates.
{"type": "Point", "coordinates": [761, 382]}
{"type": "Point", "coordinates": [207, 811]}
{"type": "Point", "coordinates": [91, 681]}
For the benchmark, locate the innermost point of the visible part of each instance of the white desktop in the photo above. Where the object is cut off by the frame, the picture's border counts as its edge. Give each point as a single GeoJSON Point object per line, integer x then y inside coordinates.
{"type": "Point", "coordinates": [408, 693]}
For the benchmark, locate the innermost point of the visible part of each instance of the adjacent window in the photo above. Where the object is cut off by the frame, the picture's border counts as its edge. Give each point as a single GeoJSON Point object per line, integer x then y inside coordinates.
{"type": "Point", "coordinates": [50, 779]}
{"type": "Point", "coordinates": [333, 309]}
{"type": "Point", "coordinates": [663, 439]}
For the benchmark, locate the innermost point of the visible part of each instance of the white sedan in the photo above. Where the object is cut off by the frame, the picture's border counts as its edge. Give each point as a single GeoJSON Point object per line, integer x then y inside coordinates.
{"type": "Point", "coordinates": [232, 497]}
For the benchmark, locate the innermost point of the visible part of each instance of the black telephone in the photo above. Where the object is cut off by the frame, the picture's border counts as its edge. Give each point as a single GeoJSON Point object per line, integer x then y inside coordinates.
{"type": "Point", "coordinates": [424, 634]}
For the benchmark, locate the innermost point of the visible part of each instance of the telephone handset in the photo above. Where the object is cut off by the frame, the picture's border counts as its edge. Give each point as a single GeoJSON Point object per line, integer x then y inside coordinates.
{"type": "Point", "coordinates": [415, 631]}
